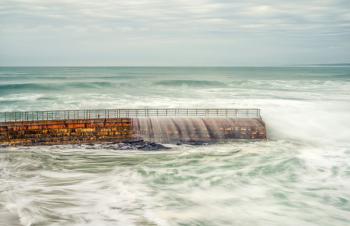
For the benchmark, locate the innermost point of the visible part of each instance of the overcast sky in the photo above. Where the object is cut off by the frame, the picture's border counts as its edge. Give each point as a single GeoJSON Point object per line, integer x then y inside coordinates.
{"type": "Point", "coordinates": [174, 32]}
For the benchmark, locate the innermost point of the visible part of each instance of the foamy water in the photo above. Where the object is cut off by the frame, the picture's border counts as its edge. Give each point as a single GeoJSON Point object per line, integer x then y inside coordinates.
{"type": "Point", "coordinates": [300, 176]}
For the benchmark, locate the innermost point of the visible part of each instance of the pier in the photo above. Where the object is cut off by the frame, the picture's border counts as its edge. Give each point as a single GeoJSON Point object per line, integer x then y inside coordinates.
{"type": "Point", "coordinates": [168, 125]}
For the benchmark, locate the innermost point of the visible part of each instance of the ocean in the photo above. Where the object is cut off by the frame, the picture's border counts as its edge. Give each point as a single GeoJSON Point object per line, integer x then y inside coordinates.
{"type": "Point", "coordinates": [300, 175]}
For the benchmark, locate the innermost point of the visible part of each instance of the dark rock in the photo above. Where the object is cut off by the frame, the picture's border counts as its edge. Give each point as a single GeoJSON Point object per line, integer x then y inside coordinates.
{"type": "Point", "coordinates": [197, 143]}
{"type": "Point", "coordinates": [136, 145]}
{"type": "Point", "coordinates": [193, 143]}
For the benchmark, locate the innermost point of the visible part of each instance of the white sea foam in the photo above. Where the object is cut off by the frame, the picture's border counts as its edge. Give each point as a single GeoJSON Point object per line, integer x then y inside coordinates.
{"type": "Point", "coordinates": [299, 176]}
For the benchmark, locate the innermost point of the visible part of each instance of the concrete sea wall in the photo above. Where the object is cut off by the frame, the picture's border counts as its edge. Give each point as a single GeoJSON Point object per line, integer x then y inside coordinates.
{"type": "Point", "coordinates": [155, 129]}
{"type": "Point", "coordinates": [66, 131]}
{"type": "Point", "coordinates": [197, 129]}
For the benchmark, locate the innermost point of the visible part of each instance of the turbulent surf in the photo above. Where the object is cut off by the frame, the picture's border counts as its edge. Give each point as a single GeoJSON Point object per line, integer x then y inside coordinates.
{"type": "Point", "coordinates": [299, 176]}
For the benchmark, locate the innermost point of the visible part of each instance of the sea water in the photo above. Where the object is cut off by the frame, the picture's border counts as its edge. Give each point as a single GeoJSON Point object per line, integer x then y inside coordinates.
{"type": "Point", "coordinates": [299, 176]}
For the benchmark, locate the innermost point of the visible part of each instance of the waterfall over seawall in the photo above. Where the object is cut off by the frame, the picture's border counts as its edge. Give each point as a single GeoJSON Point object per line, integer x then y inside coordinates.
{"type": "Point", "coordinates": [130, 125]}
{"type": "Point", "coordinates": [173, 130]}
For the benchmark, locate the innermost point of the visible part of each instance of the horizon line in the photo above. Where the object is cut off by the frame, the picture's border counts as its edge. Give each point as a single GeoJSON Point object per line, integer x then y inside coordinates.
{"type": "Point", "coordinates": [182, 66]}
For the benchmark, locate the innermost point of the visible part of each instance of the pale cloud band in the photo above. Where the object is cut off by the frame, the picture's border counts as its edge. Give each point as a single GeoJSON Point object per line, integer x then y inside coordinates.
{"type": "Point", "coordinates": [174, 32]}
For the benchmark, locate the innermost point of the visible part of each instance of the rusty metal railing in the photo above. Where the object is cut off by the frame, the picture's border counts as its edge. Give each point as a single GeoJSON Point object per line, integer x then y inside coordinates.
{"type": "Point", "coordinates": [127, 113]}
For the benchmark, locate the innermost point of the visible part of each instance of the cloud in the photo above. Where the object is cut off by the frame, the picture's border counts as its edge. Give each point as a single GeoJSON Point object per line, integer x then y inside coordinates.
{"type": "Point", "coordinates": [158, 15]}
{"type": "Point", "coordinates": [172, 20]}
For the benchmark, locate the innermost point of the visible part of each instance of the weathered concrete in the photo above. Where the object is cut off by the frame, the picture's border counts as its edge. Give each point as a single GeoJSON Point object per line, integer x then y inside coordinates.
{"type": "Point", "coordinates": [162, 130]}
{"type": "Point", "coordinates": [66, 131]}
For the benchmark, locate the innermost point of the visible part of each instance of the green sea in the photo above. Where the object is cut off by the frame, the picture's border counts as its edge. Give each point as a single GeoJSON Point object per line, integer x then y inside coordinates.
{"type": "Point", "coordinates": [299, 176]}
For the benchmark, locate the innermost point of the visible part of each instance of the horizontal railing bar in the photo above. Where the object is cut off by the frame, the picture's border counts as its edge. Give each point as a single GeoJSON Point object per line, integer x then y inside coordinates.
{"type": "Point", "coordinates": [147, 109]}
{"type": "Point", "coordinates": [128, 112]}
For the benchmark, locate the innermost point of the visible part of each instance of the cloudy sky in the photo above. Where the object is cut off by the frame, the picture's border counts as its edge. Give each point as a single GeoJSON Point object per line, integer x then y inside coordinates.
{"type": "Point", "coordinates": [174, 32]}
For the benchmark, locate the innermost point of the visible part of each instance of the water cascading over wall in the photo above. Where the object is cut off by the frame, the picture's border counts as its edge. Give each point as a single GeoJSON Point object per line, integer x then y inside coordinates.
{"type": "Point", "coordinates": [184, 130]}
{"type": "Point", "coordinates": [129, 125]}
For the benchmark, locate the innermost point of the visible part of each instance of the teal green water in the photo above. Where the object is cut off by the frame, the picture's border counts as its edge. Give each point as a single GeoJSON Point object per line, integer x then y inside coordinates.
{"type": "Point", "coordinates": [299, 176]}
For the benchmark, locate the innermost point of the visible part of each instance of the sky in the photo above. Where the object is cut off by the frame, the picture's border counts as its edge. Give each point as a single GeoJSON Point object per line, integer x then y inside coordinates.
{"type": "Point", "coordinates": [174, 32]}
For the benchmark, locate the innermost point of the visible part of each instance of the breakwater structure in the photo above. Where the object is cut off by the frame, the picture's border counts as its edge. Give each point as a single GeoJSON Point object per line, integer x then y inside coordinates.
{"type": "Point", "coordinates": [171, 125]}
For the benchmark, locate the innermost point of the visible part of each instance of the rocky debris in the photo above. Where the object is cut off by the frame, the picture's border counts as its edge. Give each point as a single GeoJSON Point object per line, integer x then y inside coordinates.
{"type": "Point", "coordinates": [134, 145]}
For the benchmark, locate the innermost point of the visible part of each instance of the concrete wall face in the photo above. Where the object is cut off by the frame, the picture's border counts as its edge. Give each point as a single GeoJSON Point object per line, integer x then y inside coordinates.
{"type": "Point", "coordinates": [173, 130]}
{"type": "Point", "coordinates": [162, 130]}
{"type": "Point", "coordinates": [66, 131]}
